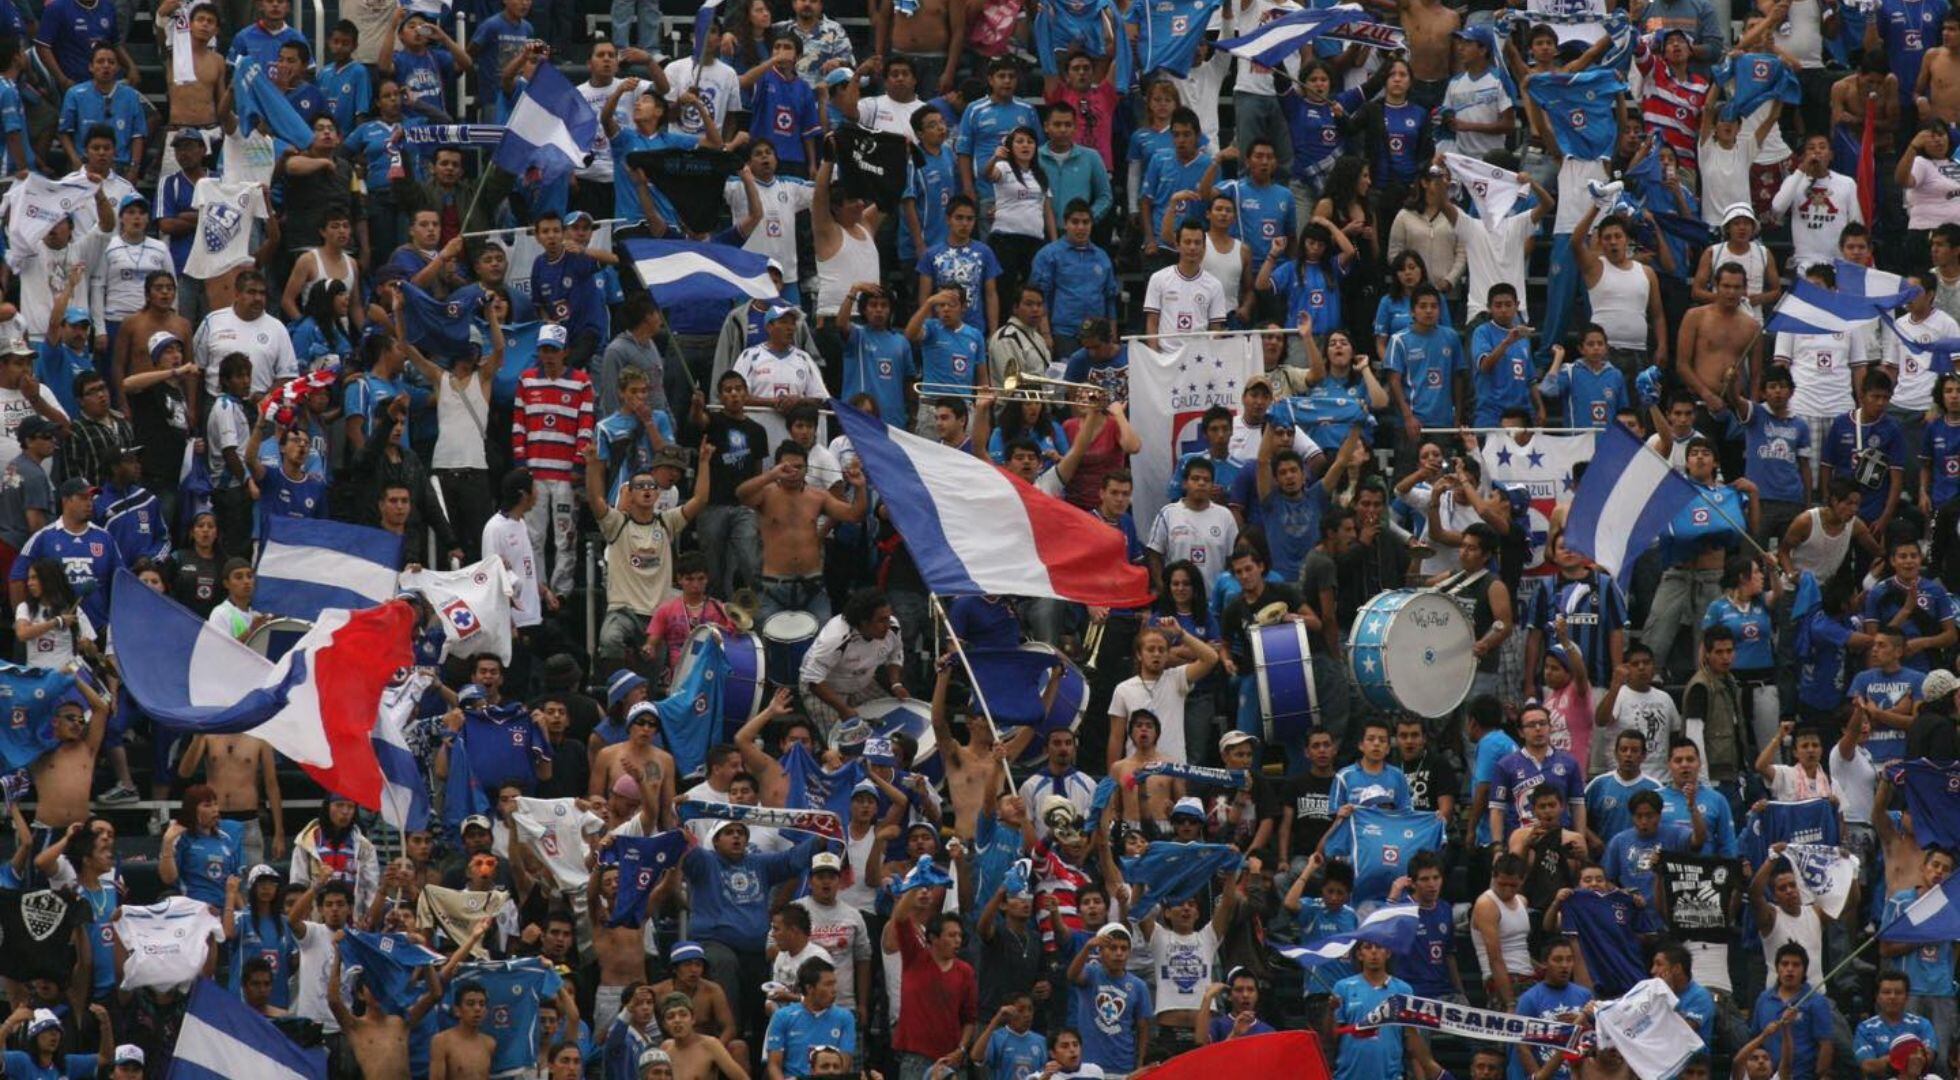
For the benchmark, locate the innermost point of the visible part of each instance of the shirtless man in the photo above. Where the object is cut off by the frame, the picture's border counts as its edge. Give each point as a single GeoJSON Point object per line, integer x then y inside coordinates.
{"type": "Point", "coordinates": [206, 101]}
{"type": "Point", "coordinates": [713, 1017]}
{"type": "Point", "coordinates": [1937, 90]}
{"type": "Point", "coordinates": [1430, 25]}
{"type": "Point", "coordinates": [973, 769]}
{"type": "Point", "coordinates": [771, 782]}
{"type": "Point", "coordinates": [130, 351]}
{"type": "Point", "coordinates": [234, 766]}
{"type": "Point", "coordinates": [463, 1052]}
{"type": "Point", "coordinates": [378, 1039]}
{"type": "Point", "coordinates": [64, 775]}
{"type": "Point", "coordinates": [696, 1056]}
{"type": "Point", "coordinates": [1848, 97]}
{"type": "Point", "coordinates": [638, 758]}
{"type": "Point", "coordinates": [1716, 339]}
{"type": "Point", "coordinates": [932, 37]}
{"type": "Point", "coordinates": [621, 950]}
{"type": "Point", "coordinates": [788, 511]}
{"type": "Point", "coordinates": [1150, 800]}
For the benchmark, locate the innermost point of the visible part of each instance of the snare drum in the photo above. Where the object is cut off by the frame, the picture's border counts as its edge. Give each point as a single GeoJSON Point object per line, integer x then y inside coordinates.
{"type": "Point", "coordinates": [742, 694]}
{"type": "Point", "coordinates": [1283, 655]}
{"type": "Point", "coordinates": [786, 636]}
{"type": "Point", "coordinates": [276, 637]}
{"type": "Point", "coordinates": [1410, 651]}
{"type": "Point", "coordinates": [890, 716]}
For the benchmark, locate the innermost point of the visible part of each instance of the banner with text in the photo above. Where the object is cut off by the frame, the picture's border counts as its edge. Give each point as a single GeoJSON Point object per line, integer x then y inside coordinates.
{"type": "Point", "coordinates": [1169, 393]}
{"type": "Point", "coordinates": [1540, 467]}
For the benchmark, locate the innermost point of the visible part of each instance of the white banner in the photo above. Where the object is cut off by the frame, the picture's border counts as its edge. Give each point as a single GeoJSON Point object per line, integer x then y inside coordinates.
{"type": "Point", "coordinates": [1169, 393]}
{"type": "Point", "coordinates": [1542, 466]}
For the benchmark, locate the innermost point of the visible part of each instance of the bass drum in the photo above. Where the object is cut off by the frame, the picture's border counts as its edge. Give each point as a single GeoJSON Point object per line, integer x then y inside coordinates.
{"type": "Point", "coordinates": [276, 637]}
{"type": "Point", "coordinates": [742, 695]}
{"type": "Point", "coordinates": [912, 717]}
{"type": "Point", "coordinates": [1409, 651]}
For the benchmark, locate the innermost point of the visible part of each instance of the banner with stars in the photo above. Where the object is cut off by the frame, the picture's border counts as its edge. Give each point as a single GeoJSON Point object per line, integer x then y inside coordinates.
{"type": "Point", "coordinates": [1542, 467]}
{"type": "Point", "coordinates": [1169, 393]}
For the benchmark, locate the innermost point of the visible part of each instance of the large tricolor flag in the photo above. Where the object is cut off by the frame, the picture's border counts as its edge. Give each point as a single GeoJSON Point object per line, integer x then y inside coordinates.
{"type": "Point", "coordinates": [223, 1039]}
{"type": "Point", "coordinates": [316, 705]}
{"type": "Point", "coordinates": [308, 565]}
{"type": "Point", "coordinates": [1627, 497]}
{"type": "Point", "coordinates": [1293, 1054]}
{"type": "Point", "coordinates": [969, 525]}
{"type": "Point", "coordinates": [551, 128]}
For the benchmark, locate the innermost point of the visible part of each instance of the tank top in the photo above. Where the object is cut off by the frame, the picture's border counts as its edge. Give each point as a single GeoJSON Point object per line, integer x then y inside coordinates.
{"type": "Point", "coordinates": [345, 275]}
{"type": "Point", "coordinates": [462, 419]}
{"type": "Point", "coordinates": [1619, 305]}
{"type": "Point", "coordinates": [858, 893]}
{"type": "Point", "coordinates": [1821, 553]}
{"type": "Point", "coordinates": [1226, 266]}
{"type": "Point", "coordinates": [1804, 928]}
{"type": "Point", "coordinates": [1513, 936]}
{"type": "Point", "coordinates": [856, 260]}
{"type": "Point", "coordinates": [1475, 595]}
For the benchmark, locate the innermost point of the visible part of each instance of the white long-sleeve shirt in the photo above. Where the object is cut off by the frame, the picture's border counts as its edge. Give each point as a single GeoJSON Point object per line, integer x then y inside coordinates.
{"type": "Point", "coordinates": [1818, 211]}
{"type": "Point", "coordinates": [847, 661]}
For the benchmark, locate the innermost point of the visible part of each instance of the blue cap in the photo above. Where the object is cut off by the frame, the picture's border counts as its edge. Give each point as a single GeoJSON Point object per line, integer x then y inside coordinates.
{"type": "Point", "coordinates": [1188, 806]}
{"type": "Point", "coordinates": [622, 684]}
{"type": "Point", "coordinates": [132, 199]}
{"type": "Point", "coordinates": [779, 310]}
{"type": "Point", "coordinates": [75, 314]}
{"type": "Point", "coordinates": [552, 334]}
{"type": "Point", "coordinates": [1482, 35]}
{"type": "Point", "coordinates": [865, 787]}
{"type": "Point", "coordinates": [684, 951]}
{"type": "Point", "coordinates": [837, 77]}
{"type": "Point", "coordinates": [471, 692]}
{"type": "Point", "coordinates": [44, 1020]}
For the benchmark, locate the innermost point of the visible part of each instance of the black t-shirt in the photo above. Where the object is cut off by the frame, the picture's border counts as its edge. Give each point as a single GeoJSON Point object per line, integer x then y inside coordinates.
{"type": "Point", "coordinates": [741, 449]}
{"type": "Point", "coordinates": [1237, 619]}
{"type": "Point", "coordinates": [37, 933]}
{"type": "Point", "coordinates": [1313, 811]}
{"type": "Point", "coordinates": [872, 164]}
{"type": "Point", "coordinates": [691, 180]}
{"type": "Point", "coordinates": [197, 585]}
{"type": "Point", "coordinates": [1430, 776]}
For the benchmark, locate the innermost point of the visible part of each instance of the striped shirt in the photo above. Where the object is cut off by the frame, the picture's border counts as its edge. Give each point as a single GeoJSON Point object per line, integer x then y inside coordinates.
{"type": "Point", "coordinates": [551, 423]}
{"type": "Point", "coordinates": [1673, 106]}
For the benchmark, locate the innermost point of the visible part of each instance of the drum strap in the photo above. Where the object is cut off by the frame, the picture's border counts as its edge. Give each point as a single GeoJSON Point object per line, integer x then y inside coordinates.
{"type": "Point", "coordinates": [1461, 581]}
{"type": "Point", "coordinates": [1313, 691]}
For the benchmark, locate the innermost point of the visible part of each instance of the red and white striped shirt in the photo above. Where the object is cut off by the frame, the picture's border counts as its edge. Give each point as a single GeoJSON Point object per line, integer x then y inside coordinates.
{"type": "Point", "coordinates": [551, 423]}
{"type": "Point", "coordinates": [1673, 106]}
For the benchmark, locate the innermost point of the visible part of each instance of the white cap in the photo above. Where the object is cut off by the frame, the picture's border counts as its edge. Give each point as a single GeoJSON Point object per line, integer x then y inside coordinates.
{"type": "Point", "coordinates": [552, 334]}
{"type": "Point", "coordinates": [826, 860]}
{"type": "Point", "coordinates": [1738, 210]}
{"type": "Point", "coordinates": [129, 1054]}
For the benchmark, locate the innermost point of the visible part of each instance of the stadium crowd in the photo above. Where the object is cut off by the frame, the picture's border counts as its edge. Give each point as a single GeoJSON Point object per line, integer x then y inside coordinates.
{"type": "Point", "coordinates": [1612, 800]}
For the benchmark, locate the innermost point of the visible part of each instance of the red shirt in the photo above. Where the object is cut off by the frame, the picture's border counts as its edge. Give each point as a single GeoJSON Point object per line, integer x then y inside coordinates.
{"type": "Point", "coordinates": [1104, 456]}
{"type": "Point", "coordinates": [933, 1004]}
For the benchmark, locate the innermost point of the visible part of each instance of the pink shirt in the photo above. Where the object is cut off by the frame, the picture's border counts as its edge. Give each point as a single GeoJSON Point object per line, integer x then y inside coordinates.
{"type": "Point", "coordinates": [1572, 720]}
{"type": "Point", "coordinates": [671, 624]}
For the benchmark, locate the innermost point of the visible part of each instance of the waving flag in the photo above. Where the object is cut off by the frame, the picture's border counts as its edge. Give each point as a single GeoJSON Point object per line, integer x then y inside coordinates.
{"type": "Point", "coordinates": [1014, 682]}
{"type": "Point", "coordinates": [1881, 287]}
{"type": "Point", "coordinates": [404, 797]}
{"type": "Point", "coordinates": [223, 1039]}
{"type": "Point", "coordinates": [1276, 42]}
{"type": "Point", "coordinates": [1627, 497]}
{"type": "Point", "coordinates": [1825, 875]}
{"type": "Point", "coordinates": [28, 696]}
{"type": "Point", "coordinates": [1170, 391]}
{"type": "Point", "coordinates": [308, 565]}
{"type": "Point", "coordinates": [1932, 919]}
{"type": "Point", "coordinates": [696, 283]}
{"type": "Point", "coordinates": [1861, 296]}
{"type": "Point", "coordinates": [316, 705]}
{"type": "Point", "coordinates": [970, 525]}
{"type": "Point", "coordinates": [258, 101]}
{"type": "Point", "coordinates": [1392, 926]}
{"type": "Point", "coordinates": [473, 604]}
{"type": "Point", "coordinates": [550, 128]}
{"type": "Point", "coordinates": [388, 963]}
{"type": "Point", "coordinates": [1541, 470]}
{"type": "Point", "coordinates": [641, 861]}
{"type": "Point", "coordinates": [440, 326]}
{"type": "Point", "coordinates": [704, 30]}
{"type": "Point", "coordinates": [1294, 1054]}
{"type": "Point", "coordinates": [1172, 872]}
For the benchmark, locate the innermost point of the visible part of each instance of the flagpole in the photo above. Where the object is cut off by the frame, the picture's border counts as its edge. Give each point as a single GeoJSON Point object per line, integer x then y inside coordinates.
{"type": "Point", "coordinates": [1723, 514]}
{"type": "Point", "coordinates": [979, 694]}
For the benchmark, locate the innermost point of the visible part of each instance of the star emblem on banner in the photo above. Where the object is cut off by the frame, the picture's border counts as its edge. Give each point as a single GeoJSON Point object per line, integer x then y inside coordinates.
{"type": "Point", "coordinates": [1535, 457]}
{"type": "Point", "coordinates": [1503, 455]}
{"type": "Point", "coordinates": [1567, 481]}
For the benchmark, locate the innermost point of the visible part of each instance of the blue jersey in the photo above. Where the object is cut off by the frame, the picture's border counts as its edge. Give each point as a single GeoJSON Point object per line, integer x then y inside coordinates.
{"type": "Point", "coordinates": [1427, 967]}
{"type": "Point", "coordinates": [969, 266]}
{"type": "Point", "coordinates": [1507, 385]}
{"type": "Point", "coordinates": [1355, 785]}
{"type": "Point", "coordinates": [1318, 135]}
{"type": "Point", "coordinates": [1316, 924]}
{"type": "Point", "coordinates": [1015, 1057]}
{"type": "Point", "coordinates": [563, 288]}
{"type": "Point", "coordinates": [504, 746]}
{"type": "Point", "coordinates": [1519, 775]}
{"type": "Point", "coordinates": [1934, 609]}
{"type": "Point", "coordinates": [103, 902]}
{"type": "Point", "coordinates": [1313, 290]}
{"type": "Point", "coordinates": [135, 518]}
{"type": "Point", "coordinates": [71, 29]}
{"type": "Point", "coordinates": [626, 192]}
{"type": "Point", "coordinates": [1163, 177]}
{"type": "Point", "coordinates": [307, 100]}
{"type": "Point", "coordinates": [1889, 691]}
{"type": "Point", "coordinates": [1107, 1009]}
{"type": "Point", "coordinates": [1712, 520]}
{"type": "Point", "coordinates": [1606, 801]}
{"type": "Point", "coordinates": [1293, 526]}
{"type": "Point", "coordinates": [1372, 1057]}
{"type": "Point", "coordinates": [514, 988]}
{"type": "Point", "coordinates": [423, 75]}
{"type": "Point", "coordinates": [282, 496]}
{"type": "Point", "coordinates": [1592, 398]}
{"type": "Point", "coordinates": [496, 41]}
{"type": "Point", "coordinates": [1594, 607]}
{"type": "Point", "coordinates": [1885, 439]}
{"type": "Point", "coordinates": [1393, 315]}
{"type": "Point", "coordinates": [951, 357]}
{"type": "Point", "coordinates": [1697, 1006]}
{"type": "Point", "coordinates": [13, 121]}
{"type": "Point", "coordinates": [795, 1031]}
{"type": "Point", "coordinates": [268, 938]}
{"type": "Point", "coordinates": [370, 144]}
{"type": "Point", "coordinates": [879, 363]}
{"type": "Point", "coordinates": [984, 126]}
{"type": "Point", "coordinates": [933, 181]}
{"type": "Point", "coordinates": [1876, 1035]}
{"type": "Point", "coordinates": [1773, 444]}
{"type": "Point", "coordinates": [1379, 845]}
{"type": "Point", "coordinates": [1929, 966]}
{"type": "Point", "coordinates": [349, 92]}
{"type": "Point", "coordinates": [1907, 28]}
{"type": "Point", "coordinates": [57, 366]}
{"type": "Point", "coordinates": [1265, 212]}
{"type": "Point", "coordinates": [204, 861]}
{"type": "Point", "coordinates": [1401, 139]}
{"type": "Point", "coordinates": [1428, 364]}
{"type": "Point", "coordinates": [21, 1066]}
{"type": "Point", "coordinates": [1715, 815]}
{"type": "Point", "coordinates": [89, 558]}
{"type": "Point", "coordinates": [1820, 675]}
{"type": "Point", "coordinates": [1632, 861]}
{"type": "Point", "coordinates": [1491, 749]}
{"type": "Point", "coordinates": [368, 397]}
{"type": "Point", "coordinates": [1224, 473]}
{"type": "Point", "coordinates": [120, 110]}
{"type": "Point", "coordinates": [625, 448]}
{"type": "Point", "coordinates": [262, 45]}
{"type": "Point", "coordinates": [1940, 450]}
{"type": "Point", "coordinates": [1544, 1002]}
{"type": "Point", "coordinates": [1169, 32]}
{"type": "Point", "coordinates": [1755, 634]}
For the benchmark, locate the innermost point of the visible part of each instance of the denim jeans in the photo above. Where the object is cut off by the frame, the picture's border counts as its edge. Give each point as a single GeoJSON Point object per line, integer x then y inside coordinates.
{"type": "Point", "coordinates": [1258, 116]}
{"type": "Point", "coordinates": [779, 594]}
{"type": "Point", "coordinates": [642, 16]}
{"type": "Point", "coordinates": [732, 545]}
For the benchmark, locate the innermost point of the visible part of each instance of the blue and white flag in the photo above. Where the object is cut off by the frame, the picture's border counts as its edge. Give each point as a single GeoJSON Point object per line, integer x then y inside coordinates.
{"type": "Point", "coordinates": [223, 1039]}
{"type": "Point", "coordinates": [27, 700]}
{"type": "Point", "coordinates": [257, 100]}
{"type": "Point", "coordinates": [388, 964]}
{"type": "Point", "coordinates": [1810, 308]}
{"type": "Point", "coordinates": [1929, 788]}
{"type": "Point", "coordinates": [1392, 926]}
{"type": "Point", "coordinates": [1172, 872]}
{"type": "Point", "coordinates": [704, 29]}
{"type": "Point", "coordinates": [404, 796]}
{"type": "Point", "coordinates": [1932, 919]}
{"type": "Point", "coordinates": [641, 861]}
{"type": "Point", "coordinates": [307, 565]}
{"type": "Point", "coordinates": [1276, 42]}
{"type": "Point", "coordinates": [1939, 352]}
{"type": "Point", "coordinates": [1627, 497]}
{"type": "Point", "coordinates": [1825, 875]}
{"type": "Point", "coordinates": [440, 326]}
{"type": "Point", "coordinates": [1580, 109]}
{"type": "Point", "coordinates": [550, 128]}
{"type": "Point", "coordinates": [692, 279]}
{"type": "Point", "coordinates": [813, 787]}
{"type": "Point", "coordinates": [1881, 287]}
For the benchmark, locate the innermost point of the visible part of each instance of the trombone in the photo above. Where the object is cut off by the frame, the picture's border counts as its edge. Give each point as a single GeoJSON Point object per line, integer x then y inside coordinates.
{"type": "Point", "coordinates": [1016, 387]}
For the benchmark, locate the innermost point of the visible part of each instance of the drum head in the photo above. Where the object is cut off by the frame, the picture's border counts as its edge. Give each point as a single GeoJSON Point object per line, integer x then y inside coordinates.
{"type": "Point", "coordinates": [1427, 655]}
{"type": "Point", "coordinates": [276, 638]}
{"type": "Point", "coordinates": [888, 716]}
{"type": "Point", "coordinates": [790, 626]}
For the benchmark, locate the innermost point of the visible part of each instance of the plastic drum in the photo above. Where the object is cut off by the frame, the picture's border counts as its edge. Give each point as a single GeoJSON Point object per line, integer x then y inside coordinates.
{"type": "Point", "coordinates": [786, 636]}
{"type": "Point", "coordinates": [742, 695]}
{"type": "Point", "coordinates": [1282, 653]}
{"type": "Point", "coordinates": [275, 638]}
{"type": "Point", "coordinates": [890, 716]}
{"type": "Point", "coordinates": [1410, 650]}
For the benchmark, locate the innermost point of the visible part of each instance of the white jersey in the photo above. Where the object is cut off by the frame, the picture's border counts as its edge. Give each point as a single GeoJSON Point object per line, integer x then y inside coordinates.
{"type": "Point", "coordinates": [839, 929]}
{"type": "Point", "coordinates": [772, 377]}
{"type": "Point", "coordinates": [120, 271]}
{"type": "Point", "coordinates": [881, 113]}
{"type": "Point", "coordinates": [1185, 304]}
{"type": "Point", "coordinates": [775, 235]}
{"type": "Point", "coordinates": [1652, 714]}
{"type": "Point", "coordinates": [1184, 965]}
{"type": "Point", "coordinates": [1203, 536]}
{"type": "Point", "coordinates": [556, 830]}
{"type": "Point", "coordinates": [1493, 254]}
{"type": "Point", "coordinates": [1914, 377]}
{"type": "Point", "coordinates": [167, 942]}
{"type": "Point", "coordinates": [1479, 99]}
{"type": "Point", "coordinates": [1818, 211]}
{"type": "Point", "coordinates": [601, 169]}
{"type": "Point", "coordinates": [14, 407]}
{"type": "Point", "coordinates": [43, 273]}
{"type": "Point", "coordinates": [1164, 697]}
{"type": "Point", "coordinates": [1643, 1026]}
{"type": "Point", "coordinates": [1820, 365]}
{"type": "Point", "coordinates": [316, 952]}
{"type": "Point", "coordinates": [510, 539]}
{"type": "Point", "coordinates": [226, 213]}
{"type": "Point", "coordinates": [263, 339]}
{"type": "Point", "coordinates": [717, 85]}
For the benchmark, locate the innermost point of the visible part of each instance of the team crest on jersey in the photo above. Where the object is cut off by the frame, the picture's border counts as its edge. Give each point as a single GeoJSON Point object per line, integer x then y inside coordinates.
{"type": "Point", "coordinates": [42, 914]}
{"type": "Point", "coordinates": [220, 226]}
{"type": "Point", "coordinates": [95, 550]}
{"type": "Point", "coordinates": [19, 717]}
{"type": "Point", "coordinates": [461, 619]}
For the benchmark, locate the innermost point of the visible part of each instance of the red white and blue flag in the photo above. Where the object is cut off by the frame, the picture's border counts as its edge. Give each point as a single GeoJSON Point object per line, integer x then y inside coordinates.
{"type": "Point", "coordinates": [317, 705]}
{"type": "Point", "coordinates": [973, 529]}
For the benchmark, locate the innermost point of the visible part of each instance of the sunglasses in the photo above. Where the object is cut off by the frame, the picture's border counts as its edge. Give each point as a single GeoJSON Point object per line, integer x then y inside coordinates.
{"type": "Point", "coordinates": [643, 485]}
{"type": "Point", "coordinates": [644, 721]}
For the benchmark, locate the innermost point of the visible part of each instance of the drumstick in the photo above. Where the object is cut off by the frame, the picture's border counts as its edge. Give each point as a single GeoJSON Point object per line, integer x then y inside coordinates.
{"type": "Point", "coordinates": [979, 695]}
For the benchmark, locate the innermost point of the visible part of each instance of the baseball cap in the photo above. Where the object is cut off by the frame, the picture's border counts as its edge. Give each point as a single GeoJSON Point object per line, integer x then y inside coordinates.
{"type": "Point", "coordinates": [1188, 806]}
{"type": "Point", "coordinates": [471, 692]}
{"type": "Point", "coordinates": [654, 1056]}
{"type": "Point", "coordinates": [74, 486]}
{"type": "Point", "coordinates": [1114, 929]}
{"type": "Point", "coordinates": [36, 426]}
{"type": "Point", "coordinates": [683, 951]}
{"type": "Point", "coordinates": [75, 314]}
{"type": "Point", "coordinates": [1939, 683]}
{"type": "Point", "coordinates": [43, 1020]}
{"type": "Point", "coordinates": [826, 861]}
{"type": "Point", "coordinates": [552, 334]}
{"type": "Point", "coordinates": [780, 310]}
{"type": "Point", "coordinates": [1482, 35]}
{"type": "Point", "coordinates": [1233, 738]}
{"type": "Point", "coordinates": [1258, 382]}
{"type": "Point", "coordinates": [477, 821]}
{"type": "Point", "coordinates": [129, 1054]}
{"type": "Point", "coordinates": [865, 787]}
{"type": "Point", "coordinates": [669, 456]}
{"type": "Point", "coordinates": [185, 135]}
{"type": "Point", "coordinates": [162, 340]}
{"type": "Point", "coordinates": [1738, 210]}
{"type": "Point", "coordinates": [622, 684]}
{"type": "Point", "coordinates": [132, 199]}
{"type": "Point", "coordinates": [577, 216]}
{"type": "Point", "coordinates": [837, 77]}
{"type": "Point", "coordinates": [645, 708]}
{"type": "Point", "coordinates": [257, 872]}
